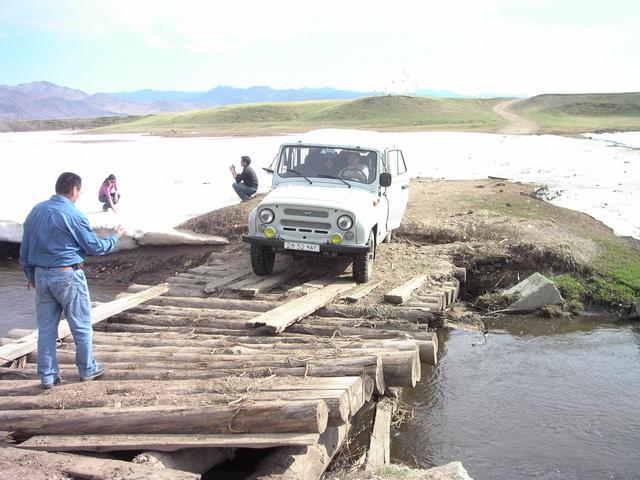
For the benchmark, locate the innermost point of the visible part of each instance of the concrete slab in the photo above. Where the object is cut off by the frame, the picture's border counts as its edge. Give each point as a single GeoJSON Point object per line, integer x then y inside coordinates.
{"type": "Point", "coordinates": [535, 292]}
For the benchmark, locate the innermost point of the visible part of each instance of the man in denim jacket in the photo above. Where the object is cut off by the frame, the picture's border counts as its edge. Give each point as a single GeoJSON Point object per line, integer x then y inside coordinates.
{"type": "Point", "coordinates": [55, 241]}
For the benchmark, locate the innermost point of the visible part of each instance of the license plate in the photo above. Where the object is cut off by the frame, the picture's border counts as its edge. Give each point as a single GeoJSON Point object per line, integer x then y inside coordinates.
{"type": "Point", "coordinates": [304, 247]}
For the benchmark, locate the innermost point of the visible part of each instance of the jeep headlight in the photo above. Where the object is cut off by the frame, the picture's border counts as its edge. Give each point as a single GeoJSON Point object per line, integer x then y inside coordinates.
{"type": "Point", "coordinates": [345, 222]}
{"type": "Point", "coordinates": [266, 215]}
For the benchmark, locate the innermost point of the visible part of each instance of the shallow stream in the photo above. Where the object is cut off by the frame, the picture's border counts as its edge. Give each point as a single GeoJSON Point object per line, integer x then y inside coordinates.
{"type": "Point", "coordinates": [540, 399]}
{"type": "Point", "coordinates": [18, 307]}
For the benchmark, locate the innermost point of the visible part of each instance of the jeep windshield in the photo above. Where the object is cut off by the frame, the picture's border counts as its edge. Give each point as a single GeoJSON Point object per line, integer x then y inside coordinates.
{"type": "Point", "coordinates": [350, 164]}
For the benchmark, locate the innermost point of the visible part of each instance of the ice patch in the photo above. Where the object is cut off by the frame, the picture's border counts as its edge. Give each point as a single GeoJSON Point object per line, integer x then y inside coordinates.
{"type": "Point", "coordinates": [165, 181]}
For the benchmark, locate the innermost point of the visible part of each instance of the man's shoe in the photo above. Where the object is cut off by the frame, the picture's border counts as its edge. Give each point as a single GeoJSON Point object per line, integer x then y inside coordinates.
{"type": "Point", "coordinates": [100, 369]}
{"type": "Point", "coordinates": [48, 386]}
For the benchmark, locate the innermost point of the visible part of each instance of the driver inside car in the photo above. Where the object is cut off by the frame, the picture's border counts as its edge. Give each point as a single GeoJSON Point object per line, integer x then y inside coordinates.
{"type": "Point", "coordinates": [354, 170]}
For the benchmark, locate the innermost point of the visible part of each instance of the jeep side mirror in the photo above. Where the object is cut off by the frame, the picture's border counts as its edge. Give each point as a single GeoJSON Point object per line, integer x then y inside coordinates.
{"type": "Point", "coordinates": [385, 179]}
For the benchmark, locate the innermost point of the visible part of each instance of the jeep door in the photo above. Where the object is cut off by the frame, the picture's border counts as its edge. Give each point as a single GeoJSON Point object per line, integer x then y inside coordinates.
{"type": "Point", "coordinates": [398, 193]}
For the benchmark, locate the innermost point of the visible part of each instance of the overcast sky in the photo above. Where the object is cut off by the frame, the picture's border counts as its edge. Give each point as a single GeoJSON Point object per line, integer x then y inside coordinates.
{"type": "Point", "coordinates": [467, 46]}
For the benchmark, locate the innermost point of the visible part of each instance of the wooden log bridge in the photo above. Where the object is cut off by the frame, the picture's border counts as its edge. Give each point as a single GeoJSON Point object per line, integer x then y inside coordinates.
{"type": "Point", "coordinates": [217, 360]}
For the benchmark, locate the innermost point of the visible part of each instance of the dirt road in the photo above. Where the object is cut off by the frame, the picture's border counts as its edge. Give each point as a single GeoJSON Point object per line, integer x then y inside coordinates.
{"type": "Point", "coordinates": [518, 125]}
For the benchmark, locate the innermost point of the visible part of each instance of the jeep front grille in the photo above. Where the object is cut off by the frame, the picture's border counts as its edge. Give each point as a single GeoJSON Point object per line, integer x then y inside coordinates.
{"type": "Point", "coordinates": [305, 227]}
{"type": "Point", "coordinates": [299, 212]}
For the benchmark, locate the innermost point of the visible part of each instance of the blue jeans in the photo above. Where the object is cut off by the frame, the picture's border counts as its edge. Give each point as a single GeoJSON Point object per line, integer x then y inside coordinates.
{"type": "Point", "coordinates": [65, 291]}
{"type": "Point", "coordinates": [243, 191]}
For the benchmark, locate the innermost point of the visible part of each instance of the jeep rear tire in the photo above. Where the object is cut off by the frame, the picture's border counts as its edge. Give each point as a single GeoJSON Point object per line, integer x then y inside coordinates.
{"type": "Point", "coordinates": [262, 259]}
{"type": "Point", "coordinates": [363, 262]}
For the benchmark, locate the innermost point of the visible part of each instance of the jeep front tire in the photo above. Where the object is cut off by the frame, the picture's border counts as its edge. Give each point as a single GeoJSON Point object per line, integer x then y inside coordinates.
{"type": "Point", "coordinates": [262, 259]}
{"type": "Point", "coordinates": [363, 262]}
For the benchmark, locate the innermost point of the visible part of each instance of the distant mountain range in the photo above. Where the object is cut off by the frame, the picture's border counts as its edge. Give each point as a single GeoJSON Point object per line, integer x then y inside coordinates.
{"type": "Point", "coordinates": [47, 101]}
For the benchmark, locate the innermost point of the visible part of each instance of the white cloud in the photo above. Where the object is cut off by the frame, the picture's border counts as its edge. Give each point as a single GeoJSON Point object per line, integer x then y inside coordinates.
{"type": "Point", "coordinates": [472, 46]}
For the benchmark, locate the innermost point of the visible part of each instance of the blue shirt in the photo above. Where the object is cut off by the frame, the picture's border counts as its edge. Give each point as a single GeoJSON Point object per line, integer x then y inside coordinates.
{"type": "Point", "coordinates": [57, 234]}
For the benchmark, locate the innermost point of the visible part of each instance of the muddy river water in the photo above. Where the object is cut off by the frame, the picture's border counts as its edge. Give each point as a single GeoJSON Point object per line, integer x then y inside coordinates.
{"type": "Point", "coordinates": [538, 399]}
{"type": "Point", "coordinates": [17, 303]}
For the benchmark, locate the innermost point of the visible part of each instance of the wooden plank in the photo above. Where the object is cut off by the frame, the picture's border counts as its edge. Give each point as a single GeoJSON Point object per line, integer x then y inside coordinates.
{"type": "Point", "coordinates": [165, 443]}
{"type": "Point", "coordinates": [437, 299]}
{"type": "Point", "coordinates": [244, 282]}
{"type": "Point", "coordinates": [447, 295]}
{"type": "Point", "coordinates": [312, 285]}
{"type": "Point", "coordinates": [281, 317]}
{"type": "Point", "coordinates": [29, 343]}
{"type": "Point", "coordinates": [379, 453]}
{"type": "Point", "coordinates": [212, 287]}
{"type": "Point", "coordinates": [270, 282]}
{"type": "Point", "coordinates": [455, 285]}
{"type": "Point", "coordinates": [30, 464]}
{"type": "Point", "coordinates": [402, 293]}
{"type": "Point", "coordinates": [206, 269]}
{"type": "Point", "coordinates": [186, 282]}
{"type": "Point", "coordinates": [361, 292]}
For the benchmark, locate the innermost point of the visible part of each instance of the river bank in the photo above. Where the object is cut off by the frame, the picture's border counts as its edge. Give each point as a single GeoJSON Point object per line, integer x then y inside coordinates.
{"type": "Point", "coordinates": [498, 230]}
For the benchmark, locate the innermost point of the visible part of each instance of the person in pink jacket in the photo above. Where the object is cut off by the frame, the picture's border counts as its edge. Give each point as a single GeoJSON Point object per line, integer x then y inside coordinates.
{"type": "Point", "coordinates": [109, 194]}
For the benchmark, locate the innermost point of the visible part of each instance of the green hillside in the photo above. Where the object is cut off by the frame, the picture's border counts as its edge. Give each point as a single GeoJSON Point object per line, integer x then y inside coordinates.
{"type": "Point", "coordinates": [583, 112]}
{"type": "Point", "coordinates": [382, 113]}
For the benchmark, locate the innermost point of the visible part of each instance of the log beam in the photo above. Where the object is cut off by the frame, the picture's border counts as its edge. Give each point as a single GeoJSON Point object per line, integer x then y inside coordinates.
{"type": "Point", "coordinates": [263, 417]}
{"type": "Point", "coordinates": [166, 443]}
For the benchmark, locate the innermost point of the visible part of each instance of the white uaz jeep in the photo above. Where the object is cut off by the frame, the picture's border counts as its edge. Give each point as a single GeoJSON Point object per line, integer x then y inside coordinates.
{"type": "Point", "coordinates": [329, 200]}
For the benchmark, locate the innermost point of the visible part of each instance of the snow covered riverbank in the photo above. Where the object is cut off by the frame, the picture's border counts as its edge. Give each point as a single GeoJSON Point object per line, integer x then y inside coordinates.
{"type": "Point", "coordinates": [165, 181]}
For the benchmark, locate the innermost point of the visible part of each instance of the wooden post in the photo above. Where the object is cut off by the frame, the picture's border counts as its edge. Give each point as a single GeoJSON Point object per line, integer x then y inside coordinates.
{"type": "Point", "coordinates": [380, 443]}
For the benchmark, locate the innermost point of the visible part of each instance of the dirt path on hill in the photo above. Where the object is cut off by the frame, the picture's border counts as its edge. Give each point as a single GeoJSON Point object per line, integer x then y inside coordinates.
{"type": "Point", "coordinates": [518, 125]}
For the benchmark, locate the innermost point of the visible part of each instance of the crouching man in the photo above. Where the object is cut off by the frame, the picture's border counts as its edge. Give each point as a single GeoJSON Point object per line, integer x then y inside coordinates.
{"type": "Point", "coordinates": [246, 183]}
{"type": "Point", "coordinates": [55, 241]}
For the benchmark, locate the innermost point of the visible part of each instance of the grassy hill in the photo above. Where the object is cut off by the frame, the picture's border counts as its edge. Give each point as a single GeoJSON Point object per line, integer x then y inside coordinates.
{"type": "Point", "coordinates": [583, 112]}
{"type": "Point", "coordinates": [62, 124]}
{"type": "Point", "coordinates": [381, 113]}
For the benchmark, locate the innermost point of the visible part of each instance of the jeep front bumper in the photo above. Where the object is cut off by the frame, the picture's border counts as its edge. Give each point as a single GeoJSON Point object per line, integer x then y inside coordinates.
{"type": "Point", "coordinates": [325, 248]}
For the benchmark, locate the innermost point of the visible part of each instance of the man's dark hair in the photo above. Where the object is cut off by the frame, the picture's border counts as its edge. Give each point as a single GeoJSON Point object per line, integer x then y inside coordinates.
{"type": "Point", "coordinates": [246, 159]}
{"type": "Point", "coordinates": [66, 181]}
